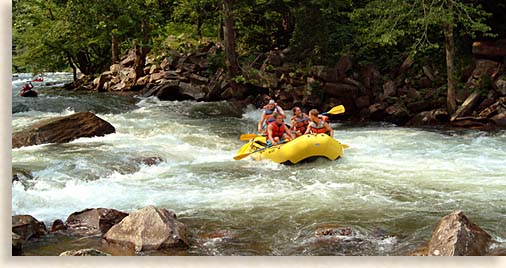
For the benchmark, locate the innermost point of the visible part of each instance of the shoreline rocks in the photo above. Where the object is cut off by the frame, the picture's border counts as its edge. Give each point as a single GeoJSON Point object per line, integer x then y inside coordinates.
{"type": "Point", "coordinates": [94, 220]}
{"type": "Point", "coordinates": [62, 129]}
{"type": "Point", "coordinates": [27, 227]}
{"type": "Point", "coordinates": [156, 231]}
{"type": "Point", "coordinates": [399, 97]}
{"type": "Point", "coordinates": [85, 252]}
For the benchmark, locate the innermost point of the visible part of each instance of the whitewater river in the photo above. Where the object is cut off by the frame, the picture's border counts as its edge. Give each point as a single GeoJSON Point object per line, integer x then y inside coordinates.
{"type": "Point", "coordinates": [391, 187]}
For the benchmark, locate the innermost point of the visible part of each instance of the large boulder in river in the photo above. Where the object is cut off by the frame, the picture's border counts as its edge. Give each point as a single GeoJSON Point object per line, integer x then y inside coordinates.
{"type": "Point", "coordinates": [27, 226]}
{"type": "Point", "coordinates": [455, 235]}
{"type": "Point", "coordinates": [149, 228]}
{"type": "Point", "coordinates": [62, 129]}
{"type": "Point", "coordinates": [94, 220]}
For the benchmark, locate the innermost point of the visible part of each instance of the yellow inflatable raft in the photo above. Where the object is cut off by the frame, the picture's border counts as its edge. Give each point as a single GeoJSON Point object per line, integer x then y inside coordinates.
{"type": "Point", "coordinates": [304, 147]}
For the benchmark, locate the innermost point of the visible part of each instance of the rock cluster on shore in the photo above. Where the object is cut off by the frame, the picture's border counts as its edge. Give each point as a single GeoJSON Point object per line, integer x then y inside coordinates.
{"type": "Point", "coordinates": [150, 228]}
{"type": "Point", "coordinates": [412, 96]}
{"type": "Point", "coordinates": [155, 229]}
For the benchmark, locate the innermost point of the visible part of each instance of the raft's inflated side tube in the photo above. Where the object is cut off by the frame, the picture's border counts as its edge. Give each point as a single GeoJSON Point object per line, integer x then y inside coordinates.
{"type": "Point", "coordinates": [304, 147]}
{"type": "Point", "coordinates": [29, 93]}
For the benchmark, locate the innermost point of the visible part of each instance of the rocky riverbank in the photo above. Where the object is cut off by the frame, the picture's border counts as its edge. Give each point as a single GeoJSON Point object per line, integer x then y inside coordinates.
{"type": "Point", "coordinates": [157, 231]}
{"type": "Point", "coordinates": [411, 95]}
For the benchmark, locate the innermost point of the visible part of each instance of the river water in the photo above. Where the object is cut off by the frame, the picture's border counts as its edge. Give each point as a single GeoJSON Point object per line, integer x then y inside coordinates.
{"type": "Point", "coordinates": [391, 187]}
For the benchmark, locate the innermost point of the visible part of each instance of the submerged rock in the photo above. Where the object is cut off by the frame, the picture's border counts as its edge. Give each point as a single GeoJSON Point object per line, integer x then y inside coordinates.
{"type": "Point", "coordinates": [27, 226]}
{"type": "Point", "coordinates": [94, 220]}
{"type": "Point", "coordinates": [20, 108]}
{"type": "Point", "coordinates": [149, 228]}
{"type": "Point", "coordinates": [21, 175]}
{"type": "Point", "coordinates": [455, 235]}
{"type": "Point", "coordinates": [151, 161]}
{"type": "Point", "coordinates": [62, 129]}
{"type": "Point", "coordinates": [345, 231]}
{"type": "Point", "coordinates": [85, 252]}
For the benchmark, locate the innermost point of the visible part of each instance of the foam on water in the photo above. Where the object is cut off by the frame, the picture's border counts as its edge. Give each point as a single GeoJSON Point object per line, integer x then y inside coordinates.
{"type": "Point", "coordinates": [400, 179]}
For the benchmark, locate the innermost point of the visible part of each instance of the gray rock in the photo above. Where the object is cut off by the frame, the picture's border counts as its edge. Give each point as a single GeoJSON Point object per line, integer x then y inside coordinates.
{"type": "Point", "coordinates": [149, 228]}
{"type": "Point", "coordinates": [27, 226]}
{"type": "Point", "coordinates": [455, 235]}
{"type": "Point", "coordinates": [94, 220]}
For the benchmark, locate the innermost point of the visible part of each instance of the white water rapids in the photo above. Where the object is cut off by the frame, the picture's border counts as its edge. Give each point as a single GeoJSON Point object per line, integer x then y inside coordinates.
{"type": "Point", "coordinates": [397, 180]}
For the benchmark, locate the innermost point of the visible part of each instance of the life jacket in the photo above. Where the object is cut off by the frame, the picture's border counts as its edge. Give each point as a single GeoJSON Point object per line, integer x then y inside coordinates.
{"type": "Point", "coordinates": [301, 123]}
{"type": "Point", "coordinates": [277, 130]}
{"type": "Point", "coordinates": [26, 87]}
{"type": "Point", "coordinates": [324, 118]}
{"type": "Point", "coordinates": [318, 129]}
{"type": "Point", "coordinates": [268, 115]}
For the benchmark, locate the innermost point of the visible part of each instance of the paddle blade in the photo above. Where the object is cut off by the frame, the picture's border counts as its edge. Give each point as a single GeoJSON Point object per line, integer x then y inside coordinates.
{"type": "Point", "coordinates": [337, 110]}
{"type": "Point", "coordinates": [247, 137]}
{"type": "Point", "coordinates": [241, 156]}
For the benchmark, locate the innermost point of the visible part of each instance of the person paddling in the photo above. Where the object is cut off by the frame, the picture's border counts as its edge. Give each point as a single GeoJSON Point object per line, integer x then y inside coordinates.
{"type": "Point", "coordinates": [299, 121]}
{"type": "Point", "coordinates": [266, 118]}
{"type": "Point", "coordinates": [26, 87]}
{"type": "Point", "coordinates": [277, 132]}
{"type": "Point", "coordinates": [318, 125]}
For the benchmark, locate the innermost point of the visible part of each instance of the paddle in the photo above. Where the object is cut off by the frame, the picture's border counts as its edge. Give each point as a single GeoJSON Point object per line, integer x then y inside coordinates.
{"type": "Point", "coordinates": [336, 110]}
{"type": "Point", "coordinates": [247, 137]}
{"type": "Point", "coordinates": [241, 156]}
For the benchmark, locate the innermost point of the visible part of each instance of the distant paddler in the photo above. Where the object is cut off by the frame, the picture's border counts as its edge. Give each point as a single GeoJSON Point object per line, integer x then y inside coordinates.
{"type": "Point", "coordinates": [26, 90]}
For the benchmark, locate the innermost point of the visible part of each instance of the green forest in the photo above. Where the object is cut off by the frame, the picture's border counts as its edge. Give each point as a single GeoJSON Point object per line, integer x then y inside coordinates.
{"type": "Point", "coordinates": [434, 37]}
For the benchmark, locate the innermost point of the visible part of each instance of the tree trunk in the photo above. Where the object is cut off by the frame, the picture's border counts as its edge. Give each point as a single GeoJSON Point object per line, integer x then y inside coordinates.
{"type": "Point", "coordinates": [229, 34]}
{"type": "Point", "coordinates": [220, 32]}
{"type": "Point", "coordinates": [83, 63]}
{"type": "Point", "coordinates": [115, 49]}
{"type": "Point", "coordinates": [450, 64]}
{"type": "Point", "coordinates": [199, 25]}
{"type": "Point", "coordinates": [74, 69]}
{"type": "Point", "coordinates": [141, 51]}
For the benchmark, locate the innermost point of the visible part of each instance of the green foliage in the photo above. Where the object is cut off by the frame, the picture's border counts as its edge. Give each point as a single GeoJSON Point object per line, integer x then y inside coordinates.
{"type": "Point", "coordinates": [55, 34]}
{"type": "Point", "coordinates": [50, 34]}
{"type": "Point", "coordinates": [413, 26]}
{"type": "Point", "coordinates": [240, 79]}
